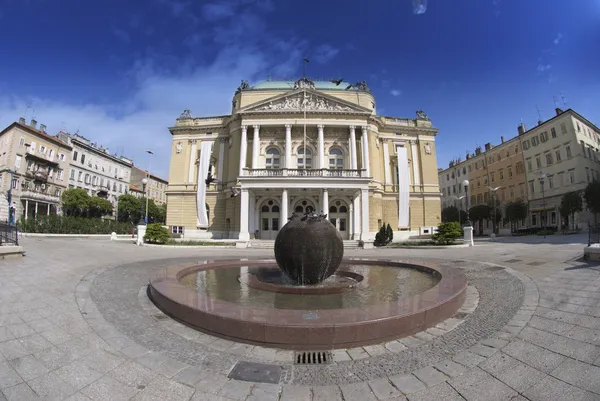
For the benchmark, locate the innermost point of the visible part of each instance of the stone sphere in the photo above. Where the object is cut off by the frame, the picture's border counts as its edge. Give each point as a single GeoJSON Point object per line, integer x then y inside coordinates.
{"type": "Point", "coordinates": [309, 249]}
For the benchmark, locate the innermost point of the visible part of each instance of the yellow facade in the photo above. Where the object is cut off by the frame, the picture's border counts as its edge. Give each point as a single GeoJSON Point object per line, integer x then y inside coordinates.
{"type": "Point", "coordinates": [298, 146]}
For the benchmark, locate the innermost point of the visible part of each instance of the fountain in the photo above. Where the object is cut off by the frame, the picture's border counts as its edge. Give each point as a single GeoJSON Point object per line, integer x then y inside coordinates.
{"type": "Point", "coordinates": [309, 297]}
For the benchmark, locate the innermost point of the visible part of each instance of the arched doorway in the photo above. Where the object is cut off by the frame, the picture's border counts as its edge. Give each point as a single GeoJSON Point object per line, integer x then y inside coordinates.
{"type": "Point", "coordinates": [338, 216]}
{"type": "Point", "coordinates": [269, 219]}
{"type": "Point", "coordinates": [304, 206]}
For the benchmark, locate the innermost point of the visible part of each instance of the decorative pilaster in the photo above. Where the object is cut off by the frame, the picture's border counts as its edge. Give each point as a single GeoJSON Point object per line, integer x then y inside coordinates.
{"type": "Point", "coordinates": [365, 146]}
{"type": "Point", "coordinates": [356, 228]}
{"type": "Point", "coordinates": [284, 208]}
{"type": "Point", "coordinates": [364, 203]}
{"type": "Point", "coordinates": [222, 142]}
{"type": "Point", "coordinates": [321, 142]}
{"type": "Point", "coordinates": [325, 201]}
{"type": "Point", "coordinates": [193, 153]}
{"type": "Point", "coordinates": [386, 163]}
{"type": "Point", "coordinates": [353, 155]}
{"type": "Point", "coordinates": [255, 147]}
{"type": "Point", "coordinates": [243, 149]}
{"type": "Point", "coordinates": [288, 146]}
{"type": "Point", "coordinates": [414, 150]}
{"type": "Point", "coordinates": [244, 203]}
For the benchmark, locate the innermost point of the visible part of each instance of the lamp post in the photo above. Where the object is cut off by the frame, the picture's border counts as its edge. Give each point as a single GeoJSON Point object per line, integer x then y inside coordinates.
{"type": "Point", "coordinates": [143, 221]}
{"type": "Point", "coordinates": [465, 184]}
{"type": "Point", "coordinates": [11, 217]}
{"type": "Point", "coordinates": [494, 206]}
{"type": "Point", "coordinates": [147, 179]}
{"type": "Point", "coordinates": [543, 214]}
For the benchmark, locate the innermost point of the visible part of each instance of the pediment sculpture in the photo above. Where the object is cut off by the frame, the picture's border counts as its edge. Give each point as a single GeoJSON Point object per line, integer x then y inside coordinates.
{"type": "Point", "coordinates": [421, 115]}
{"type": "Point", "coordinates": [304, 101]}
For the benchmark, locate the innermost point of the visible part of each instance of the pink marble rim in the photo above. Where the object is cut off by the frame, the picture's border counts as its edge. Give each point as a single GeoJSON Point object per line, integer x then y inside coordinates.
{"type": "Point", "coordinates": [304, 329]}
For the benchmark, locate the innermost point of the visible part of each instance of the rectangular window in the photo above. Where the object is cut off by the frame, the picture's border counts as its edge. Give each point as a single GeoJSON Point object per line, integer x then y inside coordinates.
{"type": "Point", "coordinates": [553, 132]}
{"type": "Point", "coordinates": [563, 128]}
{"type": "Point", "coordinates": [531, 187]}
{"type": "Point", "coordinates": [501, 174]}
{"type": "Point", "coordinates": [79, 176]}
{"type": "Point", "coordinates": [75, 155]}
{"type": "Point", "coordinates": [550, 182]}
{"type": "Point", "coordinates": [548, 158]}
{"type": "Point", "coordinates": [61, 174]}
{"type": "Point", "coordinates": [571, 177]}
{"type": "Point", "coordinates": [493, 176]}
{"type": "Point", "coordinates": [544, 136]}
{"type": "Point", "coordinates": [587, 174]}
{"type": "Point", "coordinates": [583, 149]}
{"type": "Point", "coordinates": [51, 154]}
{"type": "Point", "coordinates": [568, 149]}
{"type": "Point", "coordinates": [21, 141]}
{"type": "Point", "coordinates": [526, 145]}
{"type": "Point", "coordinates": [62, 157]}
{"type": "Point", "coordinates": [42, 149]}
{"type": "Point", "coordinates": [510, 173]}
{"type": "Point", "coordinates": [72, 177]}
{"type": "Point", "coordinates": [529, 165]}
{"type": "Point", "coordinates": [82, 159]}
{"type": "Point", "coordinates": [535, 141]}
{"type": "Point", "coordinates": [538, 161]}
{"type": "Point", "coordinates": [520, 168]}
{"type": "Point", "coordinates": [557, 154]}
{"type": "Point", "coordinates": [14, 183]}
{"type": "Point", "coordinates": [18, 162]}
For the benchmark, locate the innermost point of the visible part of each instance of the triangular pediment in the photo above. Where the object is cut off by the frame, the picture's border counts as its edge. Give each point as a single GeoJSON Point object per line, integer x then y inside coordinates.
{"type": "Point", "coordinates": [305, 99]}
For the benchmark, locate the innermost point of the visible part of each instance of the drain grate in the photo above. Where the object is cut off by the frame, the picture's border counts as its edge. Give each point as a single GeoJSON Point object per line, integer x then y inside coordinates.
{"type": "Point", "coordinates": [160, 316]}
{"type": "Point", "coordinates": [313, 358]}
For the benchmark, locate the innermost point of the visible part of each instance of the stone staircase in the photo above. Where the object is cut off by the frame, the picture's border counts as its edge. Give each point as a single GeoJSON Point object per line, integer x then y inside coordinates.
{"type": "Point", "coordinates": [269, 244]}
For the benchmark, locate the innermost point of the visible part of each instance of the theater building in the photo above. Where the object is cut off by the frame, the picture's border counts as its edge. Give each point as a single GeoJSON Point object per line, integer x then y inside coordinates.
{"type": "Point", "coordinates": [298, 147]}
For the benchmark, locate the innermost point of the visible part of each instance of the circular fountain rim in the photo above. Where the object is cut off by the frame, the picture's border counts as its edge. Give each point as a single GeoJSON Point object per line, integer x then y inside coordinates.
{"type": "Point", "coordinates": [299, 329]}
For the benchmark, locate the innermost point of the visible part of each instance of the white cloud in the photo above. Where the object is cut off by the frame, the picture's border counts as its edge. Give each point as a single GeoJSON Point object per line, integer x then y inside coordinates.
{"type": "Point", "coordinates": [325, 53]}
{"type": "Point", "coordinates": [543, 67]}
{"type": "Point", "coordinates": [395, 92]}
{"type": "Point", "coordinates": [558, 38]}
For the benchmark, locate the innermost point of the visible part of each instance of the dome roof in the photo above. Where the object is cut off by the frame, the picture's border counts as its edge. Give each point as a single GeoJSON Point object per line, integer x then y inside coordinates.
{"type": "Point", "coordinates": [290, 85]}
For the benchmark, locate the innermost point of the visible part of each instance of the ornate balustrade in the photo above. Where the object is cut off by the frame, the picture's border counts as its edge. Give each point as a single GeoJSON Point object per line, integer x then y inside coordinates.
{"type": "Point", "coordinates": [283, 172]}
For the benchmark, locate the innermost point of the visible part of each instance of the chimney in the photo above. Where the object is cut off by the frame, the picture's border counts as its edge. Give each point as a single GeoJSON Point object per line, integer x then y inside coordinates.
{"type": "Point", "coordinates": [559, 111]}
{"type": "Point", "coordinates": [21, 120]}
{"type": "Point", "coordinates": [522, 128]}
{"type": "Point", "coordinates": [33, 123]}
{"type": "Point", "coordinates": [502, 139]}
{"type": "Point", "coordinates": [488, 146]}
{"type": "Point", "coordinates": [43, 128]}
{"type": "Point", "coordinates": [540, 122]}
{"type": "Point", "coordinates": [477, 150]}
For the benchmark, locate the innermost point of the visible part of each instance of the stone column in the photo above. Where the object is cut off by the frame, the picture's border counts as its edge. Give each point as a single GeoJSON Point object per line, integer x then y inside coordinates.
{"type": "Point", "coordinates": [288, 146]}
{"type": "Point", "coordinates": [356, 218]}
{"type": "Point", "coordinates": [48, 209]}
{"type": "Point", "coordinates": [386, 162]}
{"type": "Point", "coordinates": [283, 218]}
{"type": "Point", "coordinates": [365, 148]}
{"type": "Point", "coordinates": [222, 143]}
{"type": "Point", "coordinates": [364, 203]}
{"type": "Point", "coordinates": [36, 210]}
{"type": "Point", "coordinates": [244, 203]}
{"type": "Point", "coordinates": [255, 147]}
{"type": "Point", "coordinates": [193, 154]}
{"type": "Point", "coordinates": [243, 149]}
{"type": "Point", "coordinates": [321, 142]}
{"type": "Point", "coordinates": [325, 201]}
{"type": "Point", "coordinates": [414, 150]}
{"type": "Point", "coordinates": [351, 220]}
{"type": "Point", "coordinates": [26, 207]}
{"type": "Point", "coordinates": [353, 155]}
{"type": "Point", "coordinates": [251, 214]}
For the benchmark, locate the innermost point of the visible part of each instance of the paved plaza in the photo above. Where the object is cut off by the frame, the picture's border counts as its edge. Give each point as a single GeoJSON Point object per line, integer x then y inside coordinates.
{"type": "Point", "coordinates": [76, 324]}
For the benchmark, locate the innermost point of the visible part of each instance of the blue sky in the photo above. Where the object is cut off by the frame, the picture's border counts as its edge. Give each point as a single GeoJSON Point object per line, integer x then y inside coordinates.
{"type": "Point", "coordinates": [120, 72]}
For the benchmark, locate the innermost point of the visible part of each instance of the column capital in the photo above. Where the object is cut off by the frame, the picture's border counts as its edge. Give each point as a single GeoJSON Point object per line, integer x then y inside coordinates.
{"type": "Point", "coordinates": [224, 140]}
{"type": "Point", "coordinates": [256, 127]}
{"type": "Point", "coordinates": [325, 190]}
{"type": "Point", "coordinates": [364, 128]}
{"type": "Point", "coordinates": [320, 127]}
{"type": "Point", "coordinates": [288, 126]}
{"type": "Point", "coordinates": [244, 127]}
{"type": "Point", "coordinates": [352, 127]}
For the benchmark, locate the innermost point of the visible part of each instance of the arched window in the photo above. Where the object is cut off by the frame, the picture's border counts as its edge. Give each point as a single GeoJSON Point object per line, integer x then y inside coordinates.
{"type": "Point", "coordinates": [332, 209]}
{"type": "Point", "coordinates": [272, 160]}
{"type": "Point", "coordinates": [275, 209]}
{"type": "Point", "coordinates": [299, 209]}
{"type": "Point", "coordinates": [336, 159]}
{"type": "Point", "coordinates": [265, 208]}
{"type": "Point", "coordinates": [304, 162]}
{"type": "Point", "coordinates": [343, 209]}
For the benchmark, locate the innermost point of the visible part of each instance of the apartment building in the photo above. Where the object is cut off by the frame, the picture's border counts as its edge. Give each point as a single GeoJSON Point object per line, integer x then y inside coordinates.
{"type": "Point", "coordinates": [156, 188]}
{"type": "Point", "coordinates": [94, 169]}
{"type": "Point", "coordinates": [561, 156]}
{"type": "Point", "coordinates": [35, 165]}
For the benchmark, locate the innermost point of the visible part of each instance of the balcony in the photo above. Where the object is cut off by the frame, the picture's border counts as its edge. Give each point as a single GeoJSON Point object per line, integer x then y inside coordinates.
{"type": "Point", "coordinates": [43, 195]}
{"type": "Point", "coordinates": [37, 175]}
{"type": "Point", "coordinates": [283, 172]}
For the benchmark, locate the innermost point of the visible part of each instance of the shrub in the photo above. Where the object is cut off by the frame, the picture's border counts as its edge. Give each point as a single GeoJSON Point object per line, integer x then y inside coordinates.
{"type": "Point", "coordinates": [157, 234]}
{"type": "Point", "coordinates": [384, 236]}
{"type": "Point", "coordinates": [447, 233]}
{"type": "Point", "coordinates": [545, 232]}
{"type": "Point", "coordinates": [55, 224]}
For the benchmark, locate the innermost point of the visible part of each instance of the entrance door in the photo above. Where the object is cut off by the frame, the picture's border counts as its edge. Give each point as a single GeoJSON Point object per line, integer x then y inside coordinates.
{"type": "Point", "coordinates": [338, 216]}
{"type": "Point", "coordinates": [269, 220]}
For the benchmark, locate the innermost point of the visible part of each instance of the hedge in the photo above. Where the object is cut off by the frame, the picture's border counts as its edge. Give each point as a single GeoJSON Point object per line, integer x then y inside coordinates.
{"type": "Point", "coordinates": [54, 224]}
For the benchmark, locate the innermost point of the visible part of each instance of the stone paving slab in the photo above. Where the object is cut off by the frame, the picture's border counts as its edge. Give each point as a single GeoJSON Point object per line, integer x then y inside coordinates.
{"type": "Point", "coordinates": [51, 333]}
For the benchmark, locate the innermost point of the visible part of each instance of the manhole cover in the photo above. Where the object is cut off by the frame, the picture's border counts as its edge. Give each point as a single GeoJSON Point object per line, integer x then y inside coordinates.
{"type": "Point", "coordinates": [256, 372]}
{"type": "Point", "coordinates": [513, 260]}
{"type": "Point", "coordinates": [313, 358]}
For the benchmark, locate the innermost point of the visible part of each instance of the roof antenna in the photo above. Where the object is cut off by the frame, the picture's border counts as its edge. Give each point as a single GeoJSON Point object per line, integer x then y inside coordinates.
{"type": "Point", "coordinates": [562, 96]}
{"type": "Point", "coordinates": [554, 100]}
{"type": "Point", "coordinates": [305, 61]}
{"type": "Point", "coordinates": [538, 113]}
{"type": "Point", "coordinates": [27, 110]}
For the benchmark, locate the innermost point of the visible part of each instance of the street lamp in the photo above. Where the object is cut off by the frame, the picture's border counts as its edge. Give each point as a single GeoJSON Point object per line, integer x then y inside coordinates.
{"type": "Point", "coordinates": [147, 179]}
{"type": "Point", "coordinates": [494, 206]}
{"type": "Point", "coordinates": [543, 214]}
{"type": "Point", "coordinates": [11, 212]}
{"type": "Point", "coordinates": [465, 184]}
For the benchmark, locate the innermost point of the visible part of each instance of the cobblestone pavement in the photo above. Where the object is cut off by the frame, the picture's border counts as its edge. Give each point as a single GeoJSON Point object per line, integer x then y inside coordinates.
{"type": "Point", "coordinates": [75, 324]}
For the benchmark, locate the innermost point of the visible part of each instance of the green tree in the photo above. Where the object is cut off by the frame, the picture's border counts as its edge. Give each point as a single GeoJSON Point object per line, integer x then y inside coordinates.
{"type": "Point", "coordinates": [515, 211]}
{"type": "Point", "coordinates": [157, 234]}
{"type": "Point", "coordinates": [384, 236]}
{"type": "Point", "coordinates": [450, 213]}
{"type": "Point", "coordinates": [130, 208]}
{"type": "Point", "coordinates": [570, 204]}
{"type": "Point", "coordinates": [447, 233]}
{"type": "Point", "coordinates": [98, 207]}
{"type": "Point", "coordinates": [591, 195]}
{"type": "Point", "coordinates": [480, 213]}
{"type": "Point", "coordinates": [75, 202]}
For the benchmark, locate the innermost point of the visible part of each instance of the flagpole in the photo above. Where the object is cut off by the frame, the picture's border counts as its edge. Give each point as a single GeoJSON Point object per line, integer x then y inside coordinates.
{"type": "Point", "coordinates": [304, 107]}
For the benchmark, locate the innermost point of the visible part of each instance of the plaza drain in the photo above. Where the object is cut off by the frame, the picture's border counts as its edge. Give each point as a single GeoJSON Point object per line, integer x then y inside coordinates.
{"type": "Point", "coordinates": [160, 316]}
{"type": "Point", "coordinates": [256, 372]}
{"type": "Point", "coordinates": [313, 358]}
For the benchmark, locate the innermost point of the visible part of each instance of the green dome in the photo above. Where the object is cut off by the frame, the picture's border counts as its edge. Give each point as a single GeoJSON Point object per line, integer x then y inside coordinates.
{"type": "Point", "coordinates": [290, 85]}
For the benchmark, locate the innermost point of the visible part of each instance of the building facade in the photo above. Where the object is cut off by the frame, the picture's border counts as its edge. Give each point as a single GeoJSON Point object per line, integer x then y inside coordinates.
{"type": "Point", "coordinates": [39, 163]}
{"type": "Point", "coordinates": [539, 166]}
{"type": "Point", "coordinates": [156, 188]}
{"type": "Point", "coordinates": [298, 147]}
{"type": "Point", "coordinates": [561, 156]}
{"type": "Point", "coordinates": [93, 168]}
